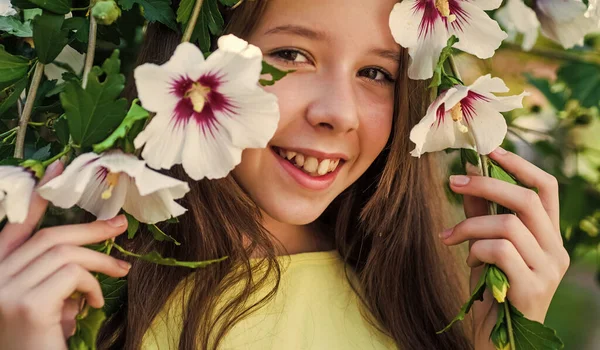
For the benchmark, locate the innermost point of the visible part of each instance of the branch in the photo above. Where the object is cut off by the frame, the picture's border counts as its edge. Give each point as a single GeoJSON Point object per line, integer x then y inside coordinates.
{"type": "Point", "coordinates": [28, 109]}
{"type": "Point", "coordinates": [191, 25]}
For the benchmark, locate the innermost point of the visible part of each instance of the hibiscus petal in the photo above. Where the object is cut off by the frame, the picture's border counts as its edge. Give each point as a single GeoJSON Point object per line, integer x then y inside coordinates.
{"type": "Point", "coordinates": [569, 28]}
{"type": "Point", "coordinates": [163, 141]}
{"type": "Point", "coordinates": [104, 209]}
{"type": "Point", "coordinates": [508, 103]}
{"type": "Point", "coordinates": [488, 127]}
{"type": "Point", "coordinates": [486, 5]}
{"type": "Point", "coordinates": [118, 162]}
{"type": "Point", "coordinates": [149, 181]}
{"type": "Point", "coordinates": [478, 33]}
{"type": "Point", "coordinates": [154, 87]}
{"type": "Point", "coordinates": [18, 198]}
{"type": "Point", "coordinates": [235, 65]}
{"type": "Point", "coordinates": [485, 85]}
{"type": "Point", "coordinates": [518, 17]}
{"type": "Point", "coordinates": [155, 207]}
{"type": "Point", "coordinates": [186, 57]}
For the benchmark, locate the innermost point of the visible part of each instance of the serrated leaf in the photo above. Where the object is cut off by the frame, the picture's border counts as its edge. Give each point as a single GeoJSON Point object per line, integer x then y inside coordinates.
{"type": "Point", "coordinates": [95, 112]}
{"type": "Point", "coordinates": [214, 17]}
{"type": "Point", "coordinates": [583, 79]}
{"type": "Point", "coordinates": [12, 67]}
{"type": "Point", "coordinates": [136, 113]}
{"type": "Point", "coordinates": [276, 74]}
{"type": "Point", "coordinates": [476, 295]}
{"type": "Point", "coordinates": [49, 37]}
{"type": "Point", "coordinates": [132, 226]}
{"type": "Point", "coordinates": [42, 153]}
{"type": "Point", "coordinates": [114, 293]}
{"type": "Point", "coordinates": [13, 26]}
{"type": "Point", "coordinates": [532, 335]}
{"type": "Point", "coordinates": [184, 11]}
{"type": "Point", "coordinates": [61, 7]}
{"type": "Point", "coordinates": [470, 156]}
{"type": "Point", "coordinates": [154, 11]}
{"type": "Point", "coordinates": [61, 129]}
{"type": "Point", "coordinates": [12, 96]}
{"type": "Point", "coordinates": [87, 330]}
{"type": "Point", "coordinates": [160, 236]}
{"type": "Point", "coordinates": [155, 257]}
{"type": "Point", "coordinates": [439, 68]}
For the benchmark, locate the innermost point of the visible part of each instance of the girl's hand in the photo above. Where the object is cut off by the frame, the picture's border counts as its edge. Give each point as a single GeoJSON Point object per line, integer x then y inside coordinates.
{"type": "Point", "coordinates": [39, 274]}
{"type": "Point", "coordinates": [528, 246]}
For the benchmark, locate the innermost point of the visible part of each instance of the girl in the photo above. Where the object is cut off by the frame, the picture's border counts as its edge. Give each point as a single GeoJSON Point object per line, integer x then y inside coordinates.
{"type": "Point", "coordinates": [350, 260]}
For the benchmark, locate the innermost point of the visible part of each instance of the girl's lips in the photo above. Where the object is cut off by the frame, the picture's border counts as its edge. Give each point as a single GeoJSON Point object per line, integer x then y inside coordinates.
{"type": "Point", "coordinates": [315, 183]}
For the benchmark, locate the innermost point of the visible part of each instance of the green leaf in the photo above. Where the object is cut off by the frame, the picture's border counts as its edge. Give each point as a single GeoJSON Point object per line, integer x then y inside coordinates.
{"type": "Point", "coordinates": [95, 112]}
{"type": "Point", "coordinates": [12, 67]}
{"type": "Point", "coordinates": [276, 74]}
{"type": "Point", "coordinates": [557, 99]}
{"type": "Point", "coordinates": [135, 114]}
{"type": "Point", "coordinates": [12, 95]}
{"type": "Point", "coordinates": [61, 129]}
{"type": "Point", "coordinates": [470, 156]}
{"type": "Point", "coordinates": [81, 27]}
{"type": "Point", "coordinates": [61, 7]}
{"type": "Point", "coordinates": [132, 226]}
{"type": "Point", "coordinates": [114, 292]}
{"type": "Point", "coordinates": [497, 172]}
{"type": "Point", "coordinates": [49, 37]}
{"type": "Point", "coordinates": [583, 79]}
{"type": "Point", "coordinates": [185, 11]}
{"type": "Point", "coordinates": [154, 11]}
{"type": "Point", "coordinates": [42, 153]}
{"type": "Point", "coordinates": [532, 335]}
{"type": "Point", "coordinates": [160, 236]}
{"type": "Point", "coordinates": [13, 26]}
{"type": "Point", "coordinates": [477, 295]}
{"type": "Point", "coordinates": [229, 2]}
{"type": "Point", "coordinates": [155, 257]}
{"type": "Point", "coordinates": [214, 17]}
{"type": "Point", "coordinates": [87, 330]}
{"type": "Point", "coordinates": [439, 68]}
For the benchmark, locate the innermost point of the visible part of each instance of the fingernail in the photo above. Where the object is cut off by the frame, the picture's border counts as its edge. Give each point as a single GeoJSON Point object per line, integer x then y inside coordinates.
{"type": "Point", "coordinates": [124, 265]}
{"type": "Point", "coordinates": [501, 151]}
{"type": "Point", "coordinates": [117, 221]}
{"type": "Point", "coordinates": [459, 180]}
{"type": "Point", "coordinates": [446, 233]}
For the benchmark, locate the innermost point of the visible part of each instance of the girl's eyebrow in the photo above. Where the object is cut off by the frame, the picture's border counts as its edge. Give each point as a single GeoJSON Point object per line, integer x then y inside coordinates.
{"type": "Point", "coordinates": [317, 35]}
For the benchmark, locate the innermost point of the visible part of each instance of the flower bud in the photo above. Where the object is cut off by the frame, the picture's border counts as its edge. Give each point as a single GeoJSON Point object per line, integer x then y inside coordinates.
{"type": "Point", "coordinates": [497, 282]}
{"type": "Point", "coordinates": [500, 338]}
{"type": "Point", "coordinates": [35, 167]}
{"type": "Point", "coordinates": [106, 12]}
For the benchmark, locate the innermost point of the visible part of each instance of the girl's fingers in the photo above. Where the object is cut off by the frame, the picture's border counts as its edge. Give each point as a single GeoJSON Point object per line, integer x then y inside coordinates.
{"type": "Point", "coordinates": [532, 176]}
{"type": "Point", "coordinates": [525, 202]}
{"type": "Point", "coordinates": [61, 255]}
{"type": "Point", "coordinates": [69, 312]}
{"type": "Point", "coordinates": [45, 239]}
{"type": "Point", "coordinates": [501, 253]}
{"type": "Point", "coordinates": [13, 235]}
{"type": "Point", "coordinates": [474, 206]}
{"type": "Point", "coordinates": [507, 227]}
{"type": "Point", "coordinates": [61, 284]}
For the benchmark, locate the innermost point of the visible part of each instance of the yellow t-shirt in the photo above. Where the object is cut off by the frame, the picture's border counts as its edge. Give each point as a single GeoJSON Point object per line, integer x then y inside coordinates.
{"type": "Point", "coordinates": [314, 308]}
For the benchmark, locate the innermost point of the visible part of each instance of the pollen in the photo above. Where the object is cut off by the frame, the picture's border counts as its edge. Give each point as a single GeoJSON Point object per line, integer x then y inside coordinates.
{"type": "Point", "coordinates": [443, 7]}
{"type": "Point", "coordinates": [457, 115]}
{"type": "Point", "coordinates": [112, 179]}
{"type": "Point", "coordinates": [198, 94]}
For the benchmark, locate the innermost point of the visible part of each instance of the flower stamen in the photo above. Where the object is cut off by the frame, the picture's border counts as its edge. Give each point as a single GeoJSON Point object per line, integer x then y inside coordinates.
{"type": "Point", "coordinates": [112, 179]}
{"type": "Point", "coordinates": [443, 6]}
{"type": "Point", "coordinates": [457, 115]}
{"type": "Point", "coordinates": [198, 94]}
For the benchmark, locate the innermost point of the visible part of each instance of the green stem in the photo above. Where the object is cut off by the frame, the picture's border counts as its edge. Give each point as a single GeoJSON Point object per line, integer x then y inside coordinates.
{"type": "Point", "coordinates": [484, 160]}
{"type": "Point", "coordinates": [556, 54]}
{"type": "Point", "coordinates": [80, 8]}
{"type": "Point", "coordinates": [125, 252]}
{"type": "Point", "coordinates": [36, 124]}
{"type": "Point", "coordinates": [191, 25]}
{"type": "Point", "coordinates": [9, 132]}
{"type": "Point", "coordinates": [454, 67]}
{"type": "Point", "coordinates": [91, 51]}
{"type": "Point", "coordinates": [28, 109]}
{"type": "Point", "coordinates": [65, 150]}
{"type": "Point", "coordinates": [511, 335]}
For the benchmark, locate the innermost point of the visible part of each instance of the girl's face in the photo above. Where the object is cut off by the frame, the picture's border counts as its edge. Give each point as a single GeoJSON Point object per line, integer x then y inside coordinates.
{"type": "Point", "coordinates": [336, 108]}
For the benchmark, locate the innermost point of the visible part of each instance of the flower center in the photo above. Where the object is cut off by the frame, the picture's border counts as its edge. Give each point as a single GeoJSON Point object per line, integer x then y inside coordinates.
{"type": "Point", "coordinates": [457, 115]}
{"type": "Point", "coordinates": [444, 7]}
{"type": "Point", "coordinates": [112, 179]}
{"type": "Point", "coordinates": [198, 94]}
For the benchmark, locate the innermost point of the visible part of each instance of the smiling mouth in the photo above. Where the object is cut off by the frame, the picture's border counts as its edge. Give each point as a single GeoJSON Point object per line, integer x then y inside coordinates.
{"type": "Point", "coordinates": [310, 165]}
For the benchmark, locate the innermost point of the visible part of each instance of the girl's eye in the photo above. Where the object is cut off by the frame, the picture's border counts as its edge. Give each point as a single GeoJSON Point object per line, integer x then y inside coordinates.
{"type": "Point", "coordinates": [290, 56]}
{"type": "Point", "coordinates": [378, 75]}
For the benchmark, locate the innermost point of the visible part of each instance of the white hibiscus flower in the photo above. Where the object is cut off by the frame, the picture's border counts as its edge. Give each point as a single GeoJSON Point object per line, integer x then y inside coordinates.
{"type": "Point", "coordinates": [424, 27]}
{"type": "Point", "coordinates": [16, 187]}
{"type": "Point", "coordinates": [6, 8]}
{"type": "Point", "coordinates": [565, 21]}
{"type": "Point", "coordinates": [103, 184]}
{"type": "Point", "coordinates": [466, 117]}
{"type": "Point", "coordinates": [207, 111]}
{"type": "Point", "coordinates": [516, 17]}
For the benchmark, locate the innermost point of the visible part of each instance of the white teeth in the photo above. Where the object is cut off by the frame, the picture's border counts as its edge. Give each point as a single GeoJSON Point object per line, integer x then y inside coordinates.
{"type": "Point", "coordinates": [311, 164]}
{"type": "Point", "coordinates": [332, 166]}
{"type": "Point", "coordinates": [300, 160]}
{"type": "Point", "coordinates": [323, 167]}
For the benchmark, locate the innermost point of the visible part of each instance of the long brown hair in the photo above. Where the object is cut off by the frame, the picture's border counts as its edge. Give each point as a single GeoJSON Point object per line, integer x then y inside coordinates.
{"type": "Point", "coordinates": [385, 227]}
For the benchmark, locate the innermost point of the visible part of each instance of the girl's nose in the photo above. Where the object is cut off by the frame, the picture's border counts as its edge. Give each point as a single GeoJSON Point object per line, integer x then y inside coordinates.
{"type": "Point", "coordinates": [334, 106]}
